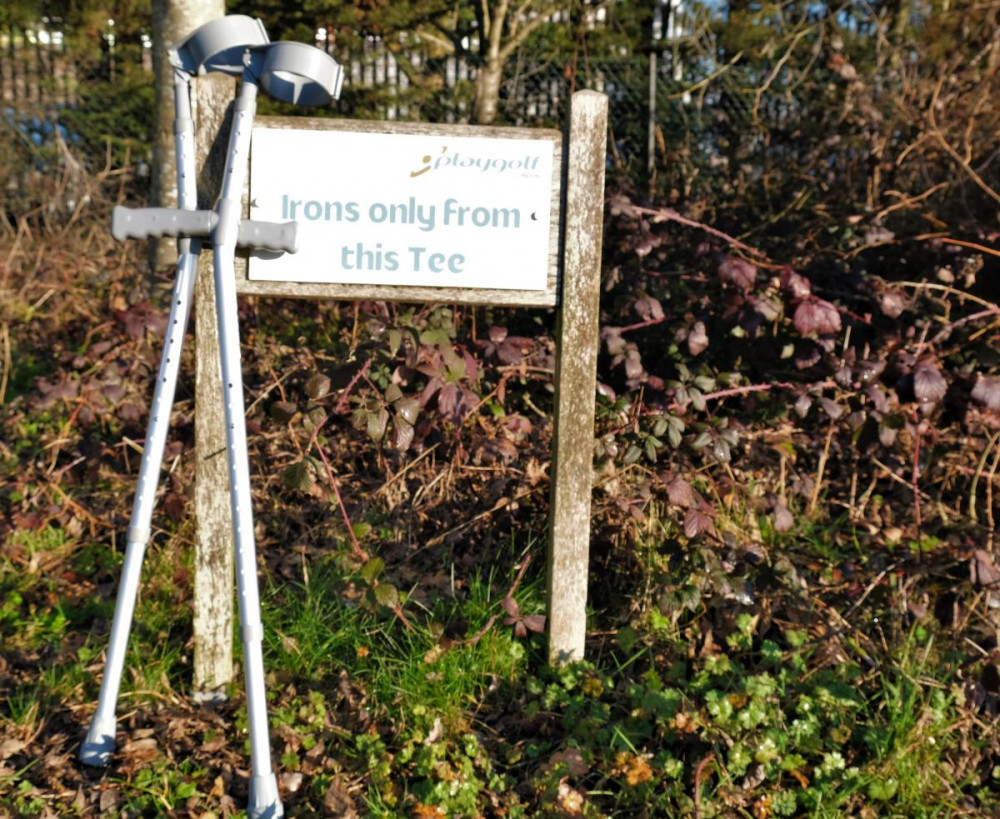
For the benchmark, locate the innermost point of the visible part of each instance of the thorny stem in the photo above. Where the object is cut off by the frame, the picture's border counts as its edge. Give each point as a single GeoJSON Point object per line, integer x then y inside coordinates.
{"type": "Point", "coordinates": [360, 553]}
{"type": "Point", "coordinates": [342, 401]}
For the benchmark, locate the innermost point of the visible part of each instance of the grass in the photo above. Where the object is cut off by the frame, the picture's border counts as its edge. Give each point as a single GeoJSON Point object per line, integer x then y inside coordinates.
{"type": "Point", "coordinates": [696, 705]}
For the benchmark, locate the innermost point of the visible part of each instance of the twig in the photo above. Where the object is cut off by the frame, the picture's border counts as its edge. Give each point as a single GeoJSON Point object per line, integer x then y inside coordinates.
{"type": "Point", "coordinates": [699, 769]}
{"type": "Point", "coordinates": [494, 617]}
{"type": "Point", "coordinates": [954, 291]}
{"type": "Point", "coordinates": [973, 245]}
{"type": "Point", "coordinates": [671, 215]}
{"type": "Point", "coordinates": [914, 481]}
{"type": "Point", "coordinates": [814, 500]}
{"type": "Point", "coordinates": [978, 474]}
{"type": "Point", "coordinates": [641, 324]}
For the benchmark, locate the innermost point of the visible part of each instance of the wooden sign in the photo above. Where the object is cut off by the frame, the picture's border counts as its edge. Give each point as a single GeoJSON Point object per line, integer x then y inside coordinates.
{"type": "Point", "coordinates": [453, 205]}
{"type": "Point", "coordinates": [408, 211]}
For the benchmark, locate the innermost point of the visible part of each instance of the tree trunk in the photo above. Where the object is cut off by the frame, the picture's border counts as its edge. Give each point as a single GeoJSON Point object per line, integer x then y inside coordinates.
{"type": "Point", "coordinates": [488, 90]}
{"type": "Point", "coordinates": [172, 21]}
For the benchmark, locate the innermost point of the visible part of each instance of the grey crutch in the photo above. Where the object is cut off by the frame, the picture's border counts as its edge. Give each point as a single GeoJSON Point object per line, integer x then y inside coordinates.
{"type": "Point", "coordinates": [216, 46]}
{"type": "Point", "coordinates": [291, 72]}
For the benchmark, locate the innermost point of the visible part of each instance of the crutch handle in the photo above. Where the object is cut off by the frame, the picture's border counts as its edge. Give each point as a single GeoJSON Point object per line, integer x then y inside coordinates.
{"type": "Point", "coordinates": [281, 237]}
{"type": "Point", "coordinates": [142, 223]}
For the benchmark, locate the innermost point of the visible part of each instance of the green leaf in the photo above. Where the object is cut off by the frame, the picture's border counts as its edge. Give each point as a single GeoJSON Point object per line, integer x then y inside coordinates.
{"type": "Point", "coordinates": [361, 529]}
{"type": "Point", "coordinates": [387, 595]}
{"type": "Point", "coordinates": [372, 569]}
{"type": "Point", "coordinates": [297, 476]}
{"type": "Point", "coordinates": [377, 422]}
{"type": "Point", "coordinates": [408, 409]}
{"type": "Point", "coordinates": [393, 393]}
{"type": "Point", "coordinates": [395, 339]}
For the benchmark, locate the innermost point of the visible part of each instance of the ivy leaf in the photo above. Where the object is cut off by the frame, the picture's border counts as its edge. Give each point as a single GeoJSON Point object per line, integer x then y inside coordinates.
{"type": "Point", "coordinates": [987, 393]}
{"type": "Point", "coordinates": [738, 272]}
{"type": "Point", "coordinates": [929, 386]}
{"type": "Point", "coordinates": [816, 317]}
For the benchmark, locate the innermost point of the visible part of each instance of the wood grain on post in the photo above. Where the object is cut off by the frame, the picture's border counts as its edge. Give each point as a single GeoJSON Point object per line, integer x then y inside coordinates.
{"type": "Point", "coordinates": [213, 562]}
{"type": "Point", "coordinates": [576, 378]}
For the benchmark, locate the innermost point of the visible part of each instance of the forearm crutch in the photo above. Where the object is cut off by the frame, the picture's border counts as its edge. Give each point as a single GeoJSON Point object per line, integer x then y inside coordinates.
{"type": "Point", "coordinates": [291, 72]}
{"type": "Point", "coordinates": [298, 73]}
{"type": "Point", "coordinates": [217, 46]}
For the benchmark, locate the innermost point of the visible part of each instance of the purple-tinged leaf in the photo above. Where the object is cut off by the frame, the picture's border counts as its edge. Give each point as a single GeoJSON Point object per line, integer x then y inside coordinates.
{"type": "Point", "coordinates": [498, 334]}
{"type": "Point", "coordinates": [807, 355]}
{"type": "Point", "coordinates": [510, 606]}
{"type": "Point", "coordinates": [816, 317]}
{"type": "Point", "coordinates": [869, 369]}
{"type": "Point", "coordinates": [697, 339]}
{"type": "Point", "coordinates": [739, 272]}
{"type": "Point", "coordinates": [605, 390]}
{"type": "Point", "coordinates": [831, 408]}
{"type": "Point", "coordinates": [982, 570]}
{"type": "Point", "coordinates": [648, 244]}
{"type": "Point", "coordinates": [783, 520]}
{"type": "Point", "coordinates": [987, 393]}
{"type": "Point", "coordinates": [648, 308]}
{"type": "Point", "coordinates": [796, 285]}
{"type": "Point", "coordinates": [878, 397]}
{"type": "Point", "coordinates": [633, 364]}
{"type": "Point", "coordinates": [448, 399]}
{"type": "Point", "coordinates": [403, 436]}
{"type": "Point", "coordinates": [887, 435]}
{"type": "Point", "coordinates": [697, 522]}
{"type": "Point", "coordinates": [519, 630]}
{"type": "Point", "coordinates": [929, 386]}
{"type": "Point", "coordinates": [519, 425]}
{"type": "Point", "coordinates": [535, 623]}
{"type": "Point", "coordinates": [802, 405]}
{"type": "Point", "coordinates": [680, 493]}
{"type": "Point", "coordinates": [893, 303]}
{"type": "Point", "coordinates": [612, 337]}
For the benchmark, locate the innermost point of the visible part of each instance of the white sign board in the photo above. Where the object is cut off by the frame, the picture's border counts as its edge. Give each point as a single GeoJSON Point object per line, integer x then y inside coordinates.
{"type": "Point", "coordinates": [428, 210]}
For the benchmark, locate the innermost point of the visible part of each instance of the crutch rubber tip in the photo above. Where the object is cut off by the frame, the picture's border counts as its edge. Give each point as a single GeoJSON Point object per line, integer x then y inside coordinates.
{"type": "Point", "coordinates": [99, 745]}
{"type": "Point", "coordinates": [264, 802]}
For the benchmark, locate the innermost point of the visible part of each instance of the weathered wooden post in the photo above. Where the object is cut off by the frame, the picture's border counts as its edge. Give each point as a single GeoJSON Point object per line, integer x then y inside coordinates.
{"type": "Point", "coordinates": [213, 557]}
{"type": "Point", "coordinates": [576, 378]}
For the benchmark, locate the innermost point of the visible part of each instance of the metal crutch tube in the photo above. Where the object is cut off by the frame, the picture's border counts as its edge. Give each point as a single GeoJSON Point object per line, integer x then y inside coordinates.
{"type": "Point", "coordinates": [210, 48]}
{"type": "Point", "coordinates": [301, 77]}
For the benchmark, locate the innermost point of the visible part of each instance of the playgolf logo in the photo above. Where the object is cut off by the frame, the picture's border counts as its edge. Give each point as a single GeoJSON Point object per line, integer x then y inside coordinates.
{"type": "Point", "coordinates": [456, 160]}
